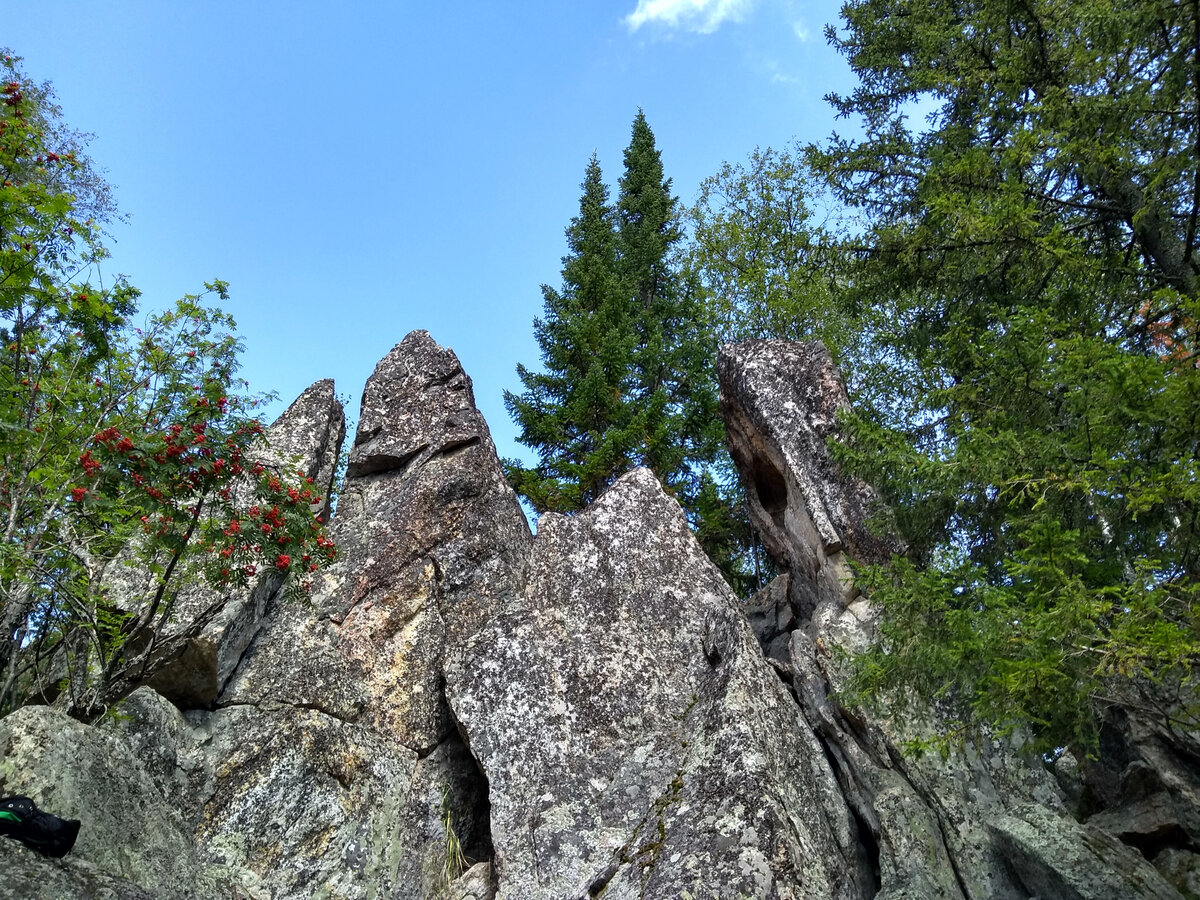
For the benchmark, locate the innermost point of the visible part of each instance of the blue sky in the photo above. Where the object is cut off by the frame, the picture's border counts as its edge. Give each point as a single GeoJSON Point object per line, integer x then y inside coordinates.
{"type": "Point", "coordinates": [360, 170]}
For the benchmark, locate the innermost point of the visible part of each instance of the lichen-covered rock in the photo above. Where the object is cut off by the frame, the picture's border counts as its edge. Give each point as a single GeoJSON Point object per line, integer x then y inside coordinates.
{"type": "Point", "coordinates": [431, 540]}
{"type": "Point", "coordinates": [955, 826]}
{"type": "Point", "coordinates": [446, 828]}
{"type": "Point", "coordinates": [1054, 856]}
{"type": "Point", "coordinates": [476, 883]}
{"type": "Point", "coordinates": [130, 834]}
{"type": "Point", "coordinates": [772, 617]}
{"type": "Point", "coordinates": [331, 766]}
{"type": "Point", "coordinates": [780, 403]}
{"type": "Point", "coordinates": [307, 440]}
{"type": "Point", "coordinates": [462, 711]}
{"type": "Point", "coordinates": [343, 692]}
{"type": "Point", "coordinates": [635, 741]}
{"type": "Point", "coordinates": [1143, 784]}
{"type": "Point", "coordinates": [29, 876]}
{"type": "Point", "coordinates": [312, 805]}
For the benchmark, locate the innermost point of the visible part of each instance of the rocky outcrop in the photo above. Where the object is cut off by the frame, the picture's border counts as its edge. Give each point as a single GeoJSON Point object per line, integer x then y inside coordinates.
{"type": "Point", "coordinates": [431, 540]}
{"type": "Point", "coordinates": [979, 823]}
{"type": "Point", "coordinates": [303, 801]}
{"type": "Point", "coordinates": [781, 402]}
{"type": "Point", "coordinates": [133, 841]}
{"type": "Point", "coordinates": [635, 741]}
{"type": "Point", "coordinates": [345, 693]}
{"type": "Point", "coordinates": [328, 763]}
{"type": "Point", "coordinates": [461, 710]}
{"type": "Point", "coordinates": [1143, 786]}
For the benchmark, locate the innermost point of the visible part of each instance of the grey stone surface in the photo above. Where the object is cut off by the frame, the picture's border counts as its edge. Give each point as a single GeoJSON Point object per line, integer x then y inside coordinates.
{"type": "Point", "coordinates": [1181, 868]}
{"type": "Point", "coordinates": [1054, 856]}
{"type": "Point", "coordinates": [780, 403]}
{"type": "Point", "coordinates": [954, 826]}
{"type": "Point", "coordinates": [344, 692]}
{"type": "Point", "coordinates": [29, 876]}
{"type": "Point", "coordinates": [477, 883]}
{"type": "Point", "coordinates": [311, 805]}
{"type": "Point", "coordinates": [772, 617]}
{"type": "Point", "coordinates": [130, 833]}
{"type": "Point", "coordinates": [431, 540]}
{"type": "Point", "coordinates": [1143, 784]}
{"type": "Point", "coordinates": [635, 741]}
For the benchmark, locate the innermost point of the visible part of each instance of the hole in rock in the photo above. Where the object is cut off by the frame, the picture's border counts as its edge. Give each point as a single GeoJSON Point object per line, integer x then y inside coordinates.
{"type": "Point", "coordinates": [770, 488]}
{"type": "Point", "coordinates": [1170, 835]}
{"type": "Point", "coordinates": [870, 874]}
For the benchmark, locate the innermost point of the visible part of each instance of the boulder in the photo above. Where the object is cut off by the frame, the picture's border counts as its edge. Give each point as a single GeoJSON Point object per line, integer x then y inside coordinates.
{"type": "Point", "coordinates": [635, 741]}
{"type": "Point", "coordinates": [304, 801]}
{"type": "Point", "coordinates": [1054, 856]}
{"type": "Point", "coordinates": [28, 876]}
{"type": "Point", "coordinates": [132, 843]}
{"type": "Point", "coordinates": [772, 617]}
{"type": "Point", "coordinates": [1143, 786]}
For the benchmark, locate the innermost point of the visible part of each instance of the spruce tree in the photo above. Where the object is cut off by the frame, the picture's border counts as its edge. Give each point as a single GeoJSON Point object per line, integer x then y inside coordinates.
{"type": "Point", "coordinates": [1029, 274]}
{"type": "Point", "coordinates": [575, 413]}
{"type": "Point", "coordinates": [676, 421]}
{"type": "Point", "coordinates": [625, 380]}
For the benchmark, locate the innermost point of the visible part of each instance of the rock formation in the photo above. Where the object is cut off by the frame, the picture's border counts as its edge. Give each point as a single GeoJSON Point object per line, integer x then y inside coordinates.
{"type": "Point", "coordinates": [462, 710]}
{"type": "Point", "coordinates": [976, 824]}
{"type": "Point", "coordinates": [636, 743]}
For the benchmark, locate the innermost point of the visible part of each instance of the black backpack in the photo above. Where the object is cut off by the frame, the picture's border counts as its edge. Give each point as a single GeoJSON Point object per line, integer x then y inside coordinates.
{"type": "Point", "coordinates": [21, 820]}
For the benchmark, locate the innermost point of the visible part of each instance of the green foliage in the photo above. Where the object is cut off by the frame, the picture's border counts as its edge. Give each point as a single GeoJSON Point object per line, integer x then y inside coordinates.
{"type": "Point", "coordinates": [456, 861]}
{"type": "Point", "coordinates": [721, 521]}
{"type": "Point", "coordinates": [626, 378]}
{"type": "Point", "coordinates": [673, 394]}
{"type": "Point", "coordinates": [762, 259]}
{"type": "Point", "coordinates": [576, 412]}
{"type": "Point", "coordinates": [129, 455]}
{"type": "Point", "coordinates": [1028, 282]}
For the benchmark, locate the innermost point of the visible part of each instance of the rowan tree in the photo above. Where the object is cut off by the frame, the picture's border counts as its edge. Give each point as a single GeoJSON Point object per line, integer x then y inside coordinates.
{"type": "Point", "coordinates": [120, 447]}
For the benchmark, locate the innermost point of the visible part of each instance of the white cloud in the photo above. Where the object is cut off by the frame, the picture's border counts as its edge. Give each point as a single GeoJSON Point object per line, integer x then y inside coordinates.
{"type": "Point", "coordinates": [801, 31]}
{"type": "Point", "coordinates": [703, 16]}
{"type": "Point", "coordinates": [772, 69]}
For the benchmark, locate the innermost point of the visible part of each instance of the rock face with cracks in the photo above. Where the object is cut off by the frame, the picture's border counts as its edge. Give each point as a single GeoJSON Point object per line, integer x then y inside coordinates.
{"type": "Point", "coordinates": [347, 691]}
{"type": "Point", "coordinates": [985, 823]}
{"type": "Point", "coordinates": [431, 541]}
{"type": "Point", "coordinates": [462, 710]}
{"type": "Point", "coordinates": [636, 742]}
